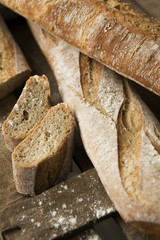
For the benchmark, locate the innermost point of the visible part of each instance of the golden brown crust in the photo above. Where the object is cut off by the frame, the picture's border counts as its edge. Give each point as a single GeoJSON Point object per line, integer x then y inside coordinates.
{"type": "Point", "coordinates": [130, 126]}
{"type": "Point", "coordinates": [14, 69]}
{"type": "Point", "coordinates": [91, 77]}
{"type": "Point", "coordinates": [112, 33]}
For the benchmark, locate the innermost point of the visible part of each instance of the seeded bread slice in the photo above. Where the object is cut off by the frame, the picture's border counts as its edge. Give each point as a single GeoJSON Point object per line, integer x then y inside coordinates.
{"type": "Point", "coordinates": [30, 109]}
{"type": "Point", "coordinates": [38, 160]}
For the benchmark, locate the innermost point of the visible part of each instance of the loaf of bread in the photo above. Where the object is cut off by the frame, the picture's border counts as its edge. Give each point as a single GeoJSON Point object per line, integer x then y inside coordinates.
{"type": "Point", "coordinates": [14, 69]}
{"type": "Point", "coordinates": [38, 160]}
{"type": "Point", "coordinates": [119, 132]}
{"type": "Point", "coordinates": [30, 109]}
{"type": "Point", "coordinates": [109, 31]}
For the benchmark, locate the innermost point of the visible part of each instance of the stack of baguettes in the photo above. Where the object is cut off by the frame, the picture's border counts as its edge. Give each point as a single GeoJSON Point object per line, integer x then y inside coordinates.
{"type": "Point", "coordinates": [119, 132]}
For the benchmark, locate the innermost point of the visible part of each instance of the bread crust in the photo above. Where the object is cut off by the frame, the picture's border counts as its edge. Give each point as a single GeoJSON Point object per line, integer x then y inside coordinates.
{"type": "Point", "coordinates": [17, 71]}
{"type": "Point", "coordinates": [24, 173]}
{"type": "Point", "coordinates": [67, 166]}
{"type": "Point", "coordinates": [117, 106]}
{"type": "Point", "coordinates": [11, 142]}
{"type": "Point", "coordinates": [113, 34]}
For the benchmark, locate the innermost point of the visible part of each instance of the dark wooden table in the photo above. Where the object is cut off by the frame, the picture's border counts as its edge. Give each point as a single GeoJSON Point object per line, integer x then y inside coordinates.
{"type": "Point", "coordinates": [77, 208]}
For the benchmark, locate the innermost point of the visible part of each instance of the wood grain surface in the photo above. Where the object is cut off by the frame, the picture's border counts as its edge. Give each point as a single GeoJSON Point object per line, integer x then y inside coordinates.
{"type": "Point", "coordinates": [69, 206]}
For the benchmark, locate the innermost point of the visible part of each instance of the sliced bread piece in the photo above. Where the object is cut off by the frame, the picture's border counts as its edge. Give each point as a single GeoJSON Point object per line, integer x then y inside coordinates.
{"type": "Point", "coordinates": [14, 69]}
{"type": "Point", "coordinates": [38, 160]}
{"type": "Point", "coordinates": [30, 109]}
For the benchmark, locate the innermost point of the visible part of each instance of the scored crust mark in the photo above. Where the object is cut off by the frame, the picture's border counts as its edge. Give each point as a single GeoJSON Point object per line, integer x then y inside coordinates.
{"type": "Point", "coordinates": [130, 127]}
{"type": "Point", "coordinates": [91, 73]}
{"type": "Point", "coordinates": [91, 77]}
{"type": "Point", "coordinates": [153, 140]}
{"type": "Point", "coordinates": [138, 47]}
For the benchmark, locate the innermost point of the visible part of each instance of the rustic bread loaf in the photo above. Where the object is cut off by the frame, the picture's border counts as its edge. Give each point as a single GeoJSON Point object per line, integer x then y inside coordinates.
{"type": "Point", "coordinates": [14, 69]}
{"type": "Point", "coordinates": [109, 31]}
{"type": "Point", "coordinates": [119, 132]}
{"type": "Point", "coordinates": [30, 109]}
{"type": "Point", "coordinates": [38, 160]}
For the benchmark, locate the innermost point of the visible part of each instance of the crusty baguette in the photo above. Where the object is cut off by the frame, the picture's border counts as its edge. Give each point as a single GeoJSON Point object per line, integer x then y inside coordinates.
{"type": "Point", "coordinates": [108, 31]}
{"type": "Point", "coordinates": [119, 132]}
{"type": "Point", "coordinates": [14, 69]}
{"type": "Point", "coordinates": [30, 109]}
{"type": "Point", "coordinates": [38, 160]}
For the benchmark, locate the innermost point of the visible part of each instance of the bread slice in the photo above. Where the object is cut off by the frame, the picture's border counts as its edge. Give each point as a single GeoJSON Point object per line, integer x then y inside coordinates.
{"type": "Point", "coordinates": [14, 69]}
{"type": "Point", "coordinates": [38, 160]}
{"type": "Point", "coordinates": [30, 109]}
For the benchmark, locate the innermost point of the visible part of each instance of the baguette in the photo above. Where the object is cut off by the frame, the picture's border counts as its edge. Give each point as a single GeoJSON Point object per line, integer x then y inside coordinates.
{"type": "Point", "coordinates": [14, 69]}
{"type": "Point", "coordinates": [109, 31]}
{"type": "Point", "coordinates": [31, 107]}
{"type": "Point", "coordinates": [119, 132]}
{"type": "Point", "coordinates": [38, 160]}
